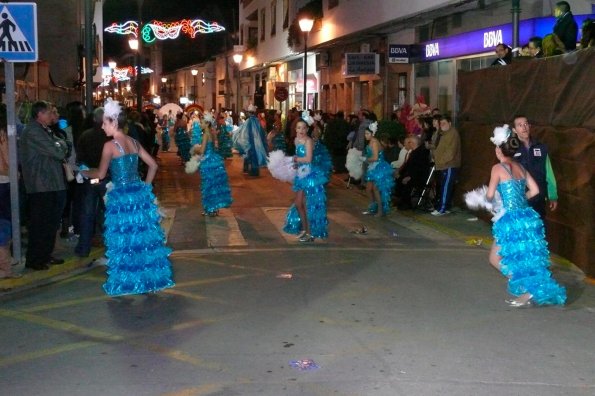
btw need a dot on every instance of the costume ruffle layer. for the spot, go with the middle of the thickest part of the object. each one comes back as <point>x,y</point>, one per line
<point>196,134</point>
<point>312,183</point>
<point>224,140</point>
<point>520,235</point>
<point>322,158</point>
<point>183,143</point>
<point>214,183</point>
<point>279,142</point>
<point>137,258</point>
<point>381,174</point>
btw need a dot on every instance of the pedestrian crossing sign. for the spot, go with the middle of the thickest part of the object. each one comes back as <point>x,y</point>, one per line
<point>18,32</point>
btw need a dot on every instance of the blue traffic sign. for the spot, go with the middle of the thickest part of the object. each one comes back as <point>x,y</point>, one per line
<point>18,32</point>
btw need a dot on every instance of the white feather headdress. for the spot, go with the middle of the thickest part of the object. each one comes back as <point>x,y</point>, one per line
<point>373,127</point>
<point>111,109</point>
<point>501,134</point>
<point>208,117</point>
<point>306,117</point>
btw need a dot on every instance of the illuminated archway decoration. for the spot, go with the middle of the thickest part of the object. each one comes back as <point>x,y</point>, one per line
<point>157,30</point>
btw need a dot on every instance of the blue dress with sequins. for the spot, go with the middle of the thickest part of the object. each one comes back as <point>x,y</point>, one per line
<point>183,142</point>
<point>196,134</point>
<point>380,173</point>
<point>137,258</point>
<point>311,179</point>
<point>214,183</point>
<point>520,235</point>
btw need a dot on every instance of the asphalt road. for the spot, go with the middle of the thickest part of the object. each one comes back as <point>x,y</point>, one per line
<point>405,309</point>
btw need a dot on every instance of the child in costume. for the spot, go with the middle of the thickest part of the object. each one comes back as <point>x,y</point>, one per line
<point>379,175</point>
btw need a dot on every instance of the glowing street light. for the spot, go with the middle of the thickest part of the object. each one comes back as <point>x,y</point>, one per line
<point>194,73</point>
<point>306,24</point>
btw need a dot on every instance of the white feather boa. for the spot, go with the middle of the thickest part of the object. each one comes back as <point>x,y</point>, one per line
<point>477,199</point>
<point>354,163</point>
<point>281,166</point>
<point>193,164</point>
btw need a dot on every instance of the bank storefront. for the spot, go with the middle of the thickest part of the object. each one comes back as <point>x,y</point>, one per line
<point>435,75</point>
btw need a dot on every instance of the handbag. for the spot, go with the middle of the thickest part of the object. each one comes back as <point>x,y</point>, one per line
<point>68,171</point>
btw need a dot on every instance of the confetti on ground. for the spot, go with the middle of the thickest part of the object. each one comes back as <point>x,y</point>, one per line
<point>361,230</point>
<point>304,364</point>
<point>475,241</point>
<point>285,275</point>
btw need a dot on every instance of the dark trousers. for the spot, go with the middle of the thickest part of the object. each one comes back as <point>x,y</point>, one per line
<point>538,204</point>
<point>45,213</point>
<point>91,212</point>
<point>447,184</point>
<point>5,208</point>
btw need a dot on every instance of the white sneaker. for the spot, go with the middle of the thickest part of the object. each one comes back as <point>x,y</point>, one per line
<point>438,213</point>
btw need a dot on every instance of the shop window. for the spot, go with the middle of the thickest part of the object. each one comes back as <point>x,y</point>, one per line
<point>252,37</point>
<point>457,20</point>
<point>422,70</point>
<point>440,26</point>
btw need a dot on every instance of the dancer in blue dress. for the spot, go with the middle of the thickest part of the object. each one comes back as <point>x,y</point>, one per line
<point>181,138</point>
<point>135,242</point>
<point>250,141</point>
<point>321,156</point>
<point>165,134</point>
<point>196,138</point>
<point>519,251</point>
<point>379,175</point>
<point>224,136</point>
<point>307,216</point>
<point>214,183</point>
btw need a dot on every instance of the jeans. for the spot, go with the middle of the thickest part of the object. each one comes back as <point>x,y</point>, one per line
<point>5,208</point>
<point>45,213</point>
<point>91,210</point>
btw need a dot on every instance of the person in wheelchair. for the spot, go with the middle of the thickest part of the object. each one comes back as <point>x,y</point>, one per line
<point>413,173</point>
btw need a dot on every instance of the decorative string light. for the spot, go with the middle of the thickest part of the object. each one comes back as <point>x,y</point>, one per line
<point>157,30</point>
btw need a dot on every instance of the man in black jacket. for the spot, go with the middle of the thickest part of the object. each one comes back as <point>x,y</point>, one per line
<point>42,154</point>
<point>565,29</point>
<point>413,173</point>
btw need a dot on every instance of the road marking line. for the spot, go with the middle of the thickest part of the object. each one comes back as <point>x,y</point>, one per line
<point>60,325</point>
<point>277,217</point>
<point>8,361</point>
<point>223,230</point>
<point>198,297</point>
<point>310,248</point>
<point>209,281</point>
<point>63,304</point>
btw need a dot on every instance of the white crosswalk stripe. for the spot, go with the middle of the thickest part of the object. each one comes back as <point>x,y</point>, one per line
<point>223,230</point>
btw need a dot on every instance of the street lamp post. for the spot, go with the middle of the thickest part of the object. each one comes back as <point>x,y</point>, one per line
<point>237,58</point>
<point>195,90</point>
<point>135,46</point>
<point>112,65</point>
<point>306,24</point>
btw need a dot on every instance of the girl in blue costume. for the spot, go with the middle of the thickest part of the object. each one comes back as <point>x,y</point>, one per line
<point>214,184</point>
<point>135,242</point>
<point>196,138</point>
<point>275,137</point>
<point>224,137</point>
<point>379,175</point>
<point>519,251</point>
<point>181,137</point>
<point>308,213</point>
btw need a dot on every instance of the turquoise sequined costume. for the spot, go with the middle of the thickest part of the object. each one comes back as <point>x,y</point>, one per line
<point>312,180</point>
<point>520,235</point>
<point>183,143</point>
<point>224,140</point>
<point>322,158</point>
<point>214,184</point>
<point>380,173</point>
<point>196,134</point>
<point>135,242</point>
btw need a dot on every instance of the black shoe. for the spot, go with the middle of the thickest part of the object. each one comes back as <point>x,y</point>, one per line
<point>56,261</point>
<point>42,267</point>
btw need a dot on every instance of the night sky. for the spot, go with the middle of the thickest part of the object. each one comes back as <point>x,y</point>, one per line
<point>183,50</point>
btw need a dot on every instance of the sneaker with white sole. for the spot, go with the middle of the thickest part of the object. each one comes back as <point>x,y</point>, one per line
<point>438,213</point>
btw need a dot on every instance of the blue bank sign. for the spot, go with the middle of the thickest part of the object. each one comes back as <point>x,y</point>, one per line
<point>398,53</point>
<point>18,32</point>
<point>484,40</point>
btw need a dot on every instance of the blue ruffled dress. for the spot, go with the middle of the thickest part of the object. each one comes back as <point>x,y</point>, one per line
<point>381,174</point>
<point>520,235</point>
<point>183,143</point>
<point>196,134</point>
<point>214,184</point>
<point>312,180</point>
<point>165,139</point>
<point>135,242</point>
<point>322,158</point>
<point>224,140</point>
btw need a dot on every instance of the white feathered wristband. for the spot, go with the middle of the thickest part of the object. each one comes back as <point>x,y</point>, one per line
<point>477,199</point>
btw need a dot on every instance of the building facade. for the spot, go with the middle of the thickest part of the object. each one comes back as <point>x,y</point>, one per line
<point>378,54</point>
